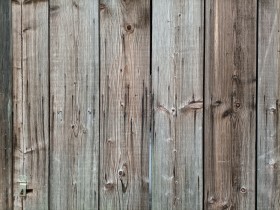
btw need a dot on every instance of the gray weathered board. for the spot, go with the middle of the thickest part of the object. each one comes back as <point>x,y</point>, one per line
<point>129,104</point>
<point>177,72</point>
<point>31,104</point>
<point>268,171</point>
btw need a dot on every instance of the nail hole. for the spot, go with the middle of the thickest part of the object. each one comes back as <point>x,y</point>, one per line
<point>121,173</point>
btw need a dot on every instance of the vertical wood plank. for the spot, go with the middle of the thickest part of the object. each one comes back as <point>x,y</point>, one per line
<point>230,104</point>
<point>268,106</point>
<point>5,106</point>
<point>125,104</point>
<point>74,89</point>
<point>31,102</point>
<point>177,48</point>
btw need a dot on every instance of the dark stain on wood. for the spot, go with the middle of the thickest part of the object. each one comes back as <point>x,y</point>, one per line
<point>6,145</point>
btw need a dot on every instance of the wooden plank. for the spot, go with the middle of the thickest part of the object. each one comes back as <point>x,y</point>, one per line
<point>31,102</point>
<point>230,104</point>
<point>268,106</point>
<point>177,70</point>
<point>6,159</point>
<point>125,104</point>
<point>74,108</point>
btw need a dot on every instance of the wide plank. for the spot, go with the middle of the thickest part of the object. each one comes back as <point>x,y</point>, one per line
<point>230,104</point>
<point>31,103</point>
<point>74,104</point>
<point>124,104</point>
<point>177,69</point>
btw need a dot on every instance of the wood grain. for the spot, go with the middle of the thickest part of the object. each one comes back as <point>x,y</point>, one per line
<point>230,104</point>
<point>31,102</point>
<point>6,160</point>
<point>124,104</point>
<point>177,48</point>
<point>74,92</point>
<point>268,106</point>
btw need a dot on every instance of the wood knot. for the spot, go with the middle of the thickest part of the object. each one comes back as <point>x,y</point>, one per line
<point>102,6</point>
<point>225,206</point>
<point>217,103</point>
<point>129,28</point>
<point>212,200</point>
<point>272,164</point>
<point>237,105</point>
<point>272,109</point>
<point>243,190</point>
<point>227,113</point>
<point>109,186</point>
<point>234,77</point>
<point>121,172</point>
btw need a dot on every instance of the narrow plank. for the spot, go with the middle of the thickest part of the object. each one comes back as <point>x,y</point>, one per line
<point>125,104</point>
<point>268,106</point>
<point>6,163</point>
<point>230,104</point>
<point>31,102</point>
<point>177,69</point>
<point>74,108</point>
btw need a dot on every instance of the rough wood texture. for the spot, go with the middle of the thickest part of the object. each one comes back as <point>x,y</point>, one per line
<point>74,81</point>
<point>5,107</point>
<point>268,106</point>
<point>125,104</point>
<point>31,102</point>
<point>230,109</point>
<point>177,48</point>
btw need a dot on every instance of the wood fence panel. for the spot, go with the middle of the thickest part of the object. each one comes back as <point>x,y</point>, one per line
<point>124,104</point>
<point>230,104</point>
<point>31,103</point>
<point>74,106</point>
<point>6,164</point>
<point>268,183</point>
<point>177,48</point>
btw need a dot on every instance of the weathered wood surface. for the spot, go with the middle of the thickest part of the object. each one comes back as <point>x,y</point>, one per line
<point>31,103</point>
<point>124,104</point>
<point>6,159</point>
<point>230,104</point>
<point>268,106</point>
<point>177,69</point>
<point>74,106</point>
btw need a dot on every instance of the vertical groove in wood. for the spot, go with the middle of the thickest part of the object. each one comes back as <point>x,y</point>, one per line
<point>177,69</point>
<point>5,107</point>
<point>31,100</point>
<point>125,104</point>
<point>74,92</point>
<point>230,104</point>
<point>268,194</point>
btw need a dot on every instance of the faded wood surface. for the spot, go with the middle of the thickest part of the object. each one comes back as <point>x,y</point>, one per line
<point>268,106</point>
<point>124,104</point>
<point>31,103</point>
<point>6,164</point>
<point>74,92</point>
<point>230,109</point>
<point>177,68</point>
